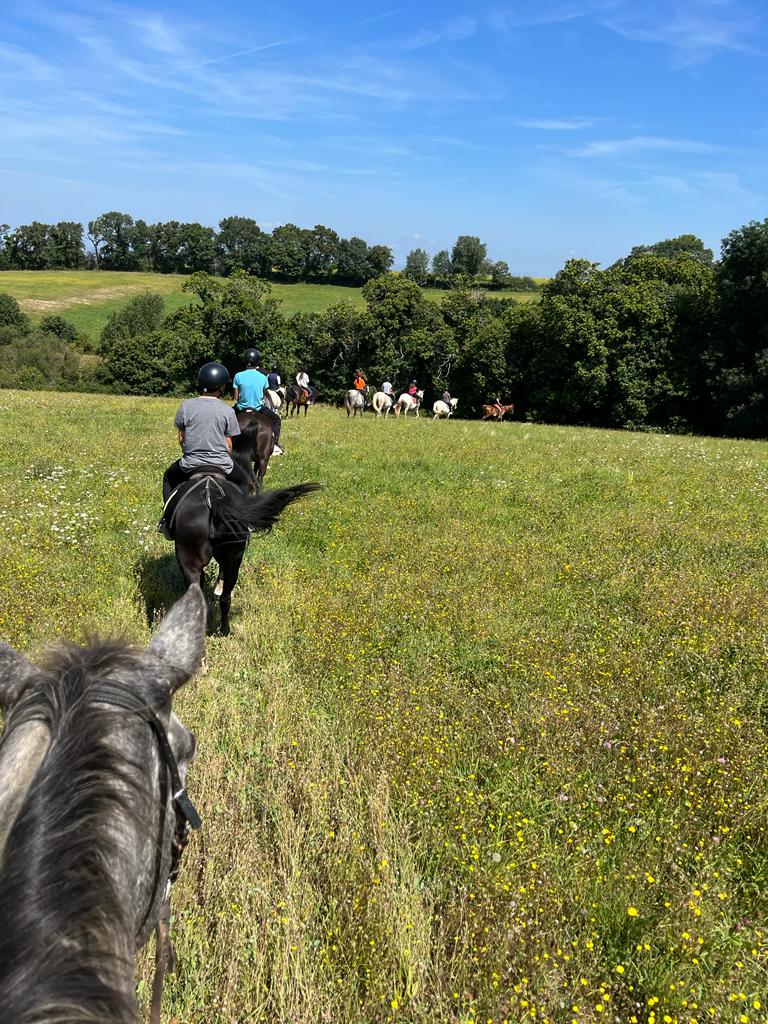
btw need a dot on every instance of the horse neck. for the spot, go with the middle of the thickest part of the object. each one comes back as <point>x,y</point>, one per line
<point>72,895</point>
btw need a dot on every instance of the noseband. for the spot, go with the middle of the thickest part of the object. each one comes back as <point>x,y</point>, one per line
<point>33,707</point>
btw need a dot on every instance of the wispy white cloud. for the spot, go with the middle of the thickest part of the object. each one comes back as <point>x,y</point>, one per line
<point>156,34</point>
<point>556,124</point>
<point>540,15</point>
<point>460,143</point>
<point>248,52</point>
<point>451,32</point>
<point>641,143</point>
<point>16,59</point>
<point>693,29</point>
<point>383,16</point>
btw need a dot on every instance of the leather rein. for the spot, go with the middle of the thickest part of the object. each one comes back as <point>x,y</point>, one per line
<point>33,707</point>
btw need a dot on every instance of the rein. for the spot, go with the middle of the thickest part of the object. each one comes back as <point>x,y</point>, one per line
<point>33,706</point>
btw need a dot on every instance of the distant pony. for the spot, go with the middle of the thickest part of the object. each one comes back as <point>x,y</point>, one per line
<point>275,397</point>
<point>407,403</point>
<point>354,402</point>
<point>442,410</point>
<point>492,412</point>
<point>382,403</point>
<point>296,399</point>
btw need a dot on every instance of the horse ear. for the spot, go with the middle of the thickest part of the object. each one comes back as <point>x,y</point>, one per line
<point>179,642</point>
<point>16,674</point>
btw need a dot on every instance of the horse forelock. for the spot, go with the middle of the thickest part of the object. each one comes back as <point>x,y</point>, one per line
<point>67,941</point>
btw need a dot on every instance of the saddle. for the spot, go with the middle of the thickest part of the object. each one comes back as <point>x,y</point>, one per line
<point>201,471</point>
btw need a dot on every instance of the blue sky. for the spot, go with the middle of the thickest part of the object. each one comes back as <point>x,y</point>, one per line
<point>551,129</point>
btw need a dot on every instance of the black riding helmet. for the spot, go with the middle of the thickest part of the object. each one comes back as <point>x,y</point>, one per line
<point>213,376</point>
<point>252,357</point>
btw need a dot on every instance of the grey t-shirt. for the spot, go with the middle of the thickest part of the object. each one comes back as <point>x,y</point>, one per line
<point>206,422</point>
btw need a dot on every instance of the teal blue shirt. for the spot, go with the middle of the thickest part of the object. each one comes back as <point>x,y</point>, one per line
<point>251,385</point>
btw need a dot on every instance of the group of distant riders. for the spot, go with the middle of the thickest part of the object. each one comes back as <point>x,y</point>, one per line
<point>206,425</point>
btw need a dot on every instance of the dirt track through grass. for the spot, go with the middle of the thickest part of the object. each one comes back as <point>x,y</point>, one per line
<point>488,739</point>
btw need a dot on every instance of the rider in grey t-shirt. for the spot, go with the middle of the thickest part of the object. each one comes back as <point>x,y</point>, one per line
<point>206,426</point>
<point>205,423</point>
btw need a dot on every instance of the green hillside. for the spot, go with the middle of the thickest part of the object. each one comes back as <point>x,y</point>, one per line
<point>86,298</point>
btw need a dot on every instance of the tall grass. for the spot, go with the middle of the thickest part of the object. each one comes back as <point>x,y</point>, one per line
<point>488,739</point>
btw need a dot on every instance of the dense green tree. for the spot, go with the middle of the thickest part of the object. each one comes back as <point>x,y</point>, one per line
<point>738,353</point>
<point>111,236</point>
<point>12,315</point>
<point>197,249</point>
<point>353,266</point>
<point>242,245</point>
<point>468,255</point>
<point>288,248</point>
<point>66,331</point>
<point>417,266</point>
<point>441,266</point>
<point>39,361</point>
<point>500,275</point>
<point>380,260</point>
<point>321,253</point>
<point>142,315</point>
<point>234,314</point>
<point>672,247</point>
<point>30,246</point>
<point>65,246</point>
<point>5,250</point>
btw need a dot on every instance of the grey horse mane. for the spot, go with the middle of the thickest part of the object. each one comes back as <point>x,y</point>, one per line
<point>65,932</point>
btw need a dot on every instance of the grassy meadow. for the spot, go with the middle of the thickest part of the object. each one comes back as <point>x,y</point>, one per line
<point>88,297</point>
<point>488,740</point>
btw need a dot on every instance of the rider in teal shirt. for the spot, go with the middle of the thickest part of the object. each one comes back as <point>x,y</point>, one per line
<point>250,385</point>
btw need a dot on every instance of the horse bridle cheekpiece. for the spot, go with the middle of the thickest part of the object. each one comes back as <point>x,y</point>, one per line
<point>32,707</point>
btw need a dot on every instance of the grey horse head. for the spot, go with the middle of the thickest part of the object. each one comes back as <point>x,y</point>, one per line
<point>87,817</point>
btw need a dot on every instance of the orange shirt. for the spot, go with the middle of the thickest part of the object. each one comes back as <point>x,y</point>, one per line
<point>360,384</point>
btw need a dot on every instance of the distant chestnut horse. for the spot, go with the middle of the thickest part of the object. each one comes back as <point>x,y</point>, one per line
<point>492,412</point>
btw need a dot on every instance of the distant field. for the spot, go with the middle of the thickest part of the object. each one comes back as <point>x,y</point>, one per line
<point>87,297</point>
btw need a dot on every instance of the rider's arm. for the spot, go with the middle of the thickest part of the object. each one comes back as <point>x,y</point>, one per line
<point>181,439</point>
<point>229,444</point>
<point>237,395</point>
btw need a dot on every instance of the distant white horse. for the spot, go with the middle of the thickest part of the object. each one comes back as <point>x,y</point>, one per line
<point>443,410</point>
<point>406,403</point>
<point>382,403</point>
<point>275,398</point>
<point>354,402</point>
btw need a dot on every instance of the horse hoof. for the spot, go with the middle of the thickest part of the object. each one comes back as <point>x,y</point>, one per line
<point>218,590</point>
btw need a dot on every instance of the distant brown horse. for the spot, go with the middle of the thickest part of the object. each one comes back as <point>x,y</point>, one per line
<point>297,398</point>
<point>492,412</point>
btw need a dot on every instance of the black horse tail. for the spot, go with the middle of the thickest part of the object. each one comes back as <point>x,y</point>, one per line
<point>235,513</point>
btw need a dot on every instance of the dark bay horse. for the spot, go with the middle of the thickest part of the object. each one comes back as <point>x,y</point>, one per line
<point>296,399</point>
<point>93,816</point>
<point>210,517</point>
<point>254,445</point>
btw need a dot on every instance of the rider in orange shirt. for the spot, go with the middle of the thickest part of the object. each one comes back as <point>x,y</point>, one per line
<point>359,383</point>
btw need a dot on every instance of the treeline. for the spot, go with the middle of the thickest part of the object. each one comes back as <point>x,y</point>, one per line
<point>665,339</point>
<point>118,242</point>
<point>288,253</point>
<point>466,264</point>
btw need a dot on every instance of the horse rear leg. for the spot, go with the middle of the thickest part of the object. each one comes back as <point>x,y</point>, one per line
<point>230,559</point>
<point>192,561</point>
